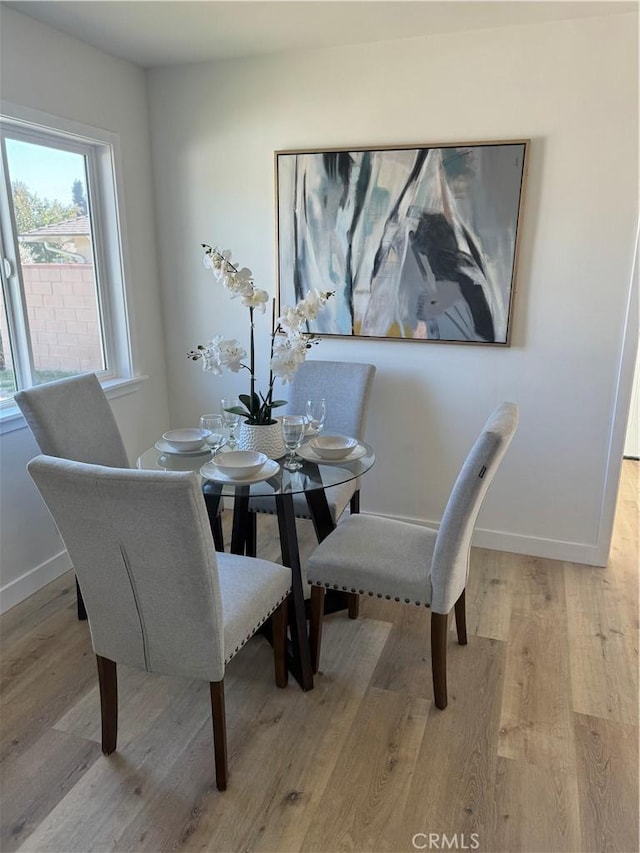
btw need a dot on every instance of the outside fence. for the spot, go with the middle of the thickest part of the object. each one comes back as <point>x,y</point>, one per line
<point>63,318</point>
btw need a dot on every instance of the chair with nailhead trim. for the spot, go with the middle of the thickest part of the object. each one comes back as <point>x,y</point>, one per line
<point>159,597</point>
<point>409,563</point>
<point>346,387</point>
<point>72,419</point>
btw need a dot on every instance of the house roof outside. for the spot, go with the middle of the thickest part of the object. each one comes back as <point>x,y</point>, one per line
<point>78,226</point>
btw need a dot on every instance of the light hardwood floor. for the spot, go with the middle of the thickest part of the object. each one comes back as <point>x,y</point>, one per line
<point>537,751</point>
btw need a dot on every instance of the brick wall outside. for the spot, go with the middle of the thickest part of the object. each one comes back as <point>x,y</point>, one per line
<point>63,317</point>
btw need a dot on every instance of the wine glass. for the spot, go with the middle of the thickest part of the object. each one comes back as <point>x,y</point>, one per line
<point>231,420</point>
<point>316,414</point>
<point>293,433</point>
<point>215,425</point>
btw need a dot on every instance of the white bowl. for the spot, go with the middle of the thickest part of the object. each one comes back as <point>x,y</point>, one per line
<point>186,439</point>
<point>239,464</point>
<point>333,446</point>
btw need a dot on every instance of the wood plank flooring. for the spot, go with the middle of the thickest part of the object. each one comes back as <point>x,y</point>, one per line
<point>537,750</point>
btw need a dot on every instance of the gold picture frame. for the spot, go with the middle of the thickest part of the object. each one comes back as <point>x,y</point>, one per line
<point>416,242</point>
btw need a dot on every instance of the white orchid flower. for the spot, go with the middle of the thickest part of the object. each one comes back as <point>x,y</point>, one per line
<point>240,288</point>
<point>284,364</point>
<point>299,346</point>
<point>244,274</point>
<point>239,280</point>
<point>291,319</point>
<point>288,355</point>
<point>216,261</point>
<point>311,304</point>
<point>257,299</point>
<point>210,356</point>
<point>219,353</point>
<point>231,355</point>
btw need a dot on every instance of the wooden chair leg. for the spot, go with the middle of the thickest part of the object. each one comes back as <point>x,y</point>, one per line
<point>216,529</point>
<point>353,605</point>
<point>279,634</point>
<point>461,619</point>
<point>82,613</point>
<point>439,625</point>
<point>108,682</point>
<point>315,625</point>
<point>219,733</point>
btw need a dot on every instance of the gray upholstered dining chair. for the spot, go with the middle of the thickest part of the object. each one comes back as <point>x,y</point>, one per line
<point>159,597</point>
<point>412,564</point>
<point>72,419</point>
<point>346,387</point>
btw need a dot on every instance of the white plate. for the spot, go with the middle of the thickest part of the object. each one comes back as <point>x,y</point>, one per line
<point>308,453</point>
<point>164,447</point>
<point>211,472</point>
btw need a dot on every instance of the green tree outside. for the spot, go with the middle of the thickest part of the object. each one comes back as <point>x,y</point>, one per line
<point>79,198</point>
<point>32,212</point>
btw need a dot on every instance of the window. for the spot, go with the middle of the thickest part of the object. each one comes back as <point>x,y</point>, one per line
<point>62,305</point>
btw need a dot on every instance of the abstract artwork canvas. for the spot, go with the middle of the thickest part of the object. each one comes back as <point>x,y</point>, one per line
<point>416,243</point>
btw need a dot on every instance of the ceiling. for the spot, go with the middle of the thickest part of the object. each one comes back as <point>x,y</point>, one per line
<point>169,32</point>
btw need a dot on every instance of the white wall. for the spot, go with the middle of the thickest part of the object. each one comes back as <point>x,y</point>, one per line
<point>572,88</point>
<point>632,439</point>
<point>46,70</point>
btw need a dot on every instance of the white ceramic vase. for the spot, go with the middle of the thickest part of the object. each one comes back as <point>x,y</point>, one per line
<point>265,438</point>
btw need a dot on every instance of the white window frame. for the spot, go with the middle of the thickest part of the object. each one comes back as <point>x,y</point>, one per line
<point>102,151</point>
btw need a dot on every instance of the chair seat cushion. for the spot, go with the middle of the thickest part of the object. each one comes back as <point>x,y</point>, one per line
<point>376,556</point>
<point>337,497</point>
<point>250,591</point>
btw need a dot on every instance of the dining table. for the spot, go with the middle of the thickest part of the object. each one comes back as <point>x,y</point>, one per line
<point>274,481</point>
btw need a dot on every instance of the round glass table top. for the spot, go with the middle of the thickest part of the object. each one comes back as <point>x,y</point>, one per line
<point>310,476</point>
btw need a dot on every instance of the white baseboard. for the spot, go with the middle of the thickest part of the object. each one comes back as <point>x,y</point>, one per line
<point>531,546</point>
<point>551,549</point>
<point>33,580</point>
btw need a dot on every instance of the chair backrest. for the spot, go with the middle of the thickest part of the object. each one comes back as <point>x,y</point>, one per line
<point>142,548</point>
<point>450,564</point>
<point>346,386</point>
<point>72,419</point>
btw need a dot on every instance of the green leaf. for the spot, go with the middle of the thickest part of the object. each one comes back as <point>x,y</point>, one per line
<point>238,410</point>
<point>245,399</point>
<point>277,403</point>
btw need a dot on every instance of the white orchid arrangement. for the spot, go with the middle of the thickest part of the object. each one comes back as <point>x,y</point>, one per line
<point>289,341</point>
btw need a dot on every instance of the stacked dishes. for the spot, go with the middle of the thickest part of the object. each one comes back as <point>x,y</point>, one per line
<point>184,442</point>
<point>334,449</point>
<point>239,466</point>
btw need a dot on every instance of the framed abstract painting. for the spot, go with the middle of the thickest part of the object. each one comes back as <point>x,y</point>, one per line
<point>417,243</point>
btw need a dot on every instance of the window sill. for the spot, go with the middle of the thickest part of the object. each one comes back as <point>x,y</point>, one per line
<point>11,418</point>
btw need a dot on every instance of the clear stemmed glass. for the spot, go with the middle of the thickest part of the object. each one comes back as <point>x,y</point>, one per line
<point>293,433</point>
<point>215,425</point>
<point>316,414</point>
<point>231,420</point>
